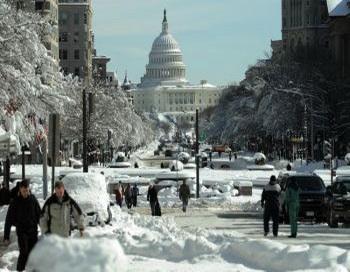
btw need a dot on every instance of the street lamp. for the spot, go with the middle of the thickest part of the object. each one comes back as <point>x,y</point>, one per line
<point>197,154</point>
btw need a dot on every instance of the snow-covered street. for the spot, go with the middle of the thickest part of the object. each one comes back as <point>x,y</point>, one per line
<point>221,229</point>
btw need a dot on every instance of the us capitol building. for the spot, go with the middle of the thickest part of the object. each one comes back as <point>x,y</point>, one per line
<point>165,89</point>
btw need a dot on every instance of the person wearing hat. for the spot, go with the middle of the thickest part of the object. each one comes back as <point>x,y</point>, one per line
<point>270,203</point>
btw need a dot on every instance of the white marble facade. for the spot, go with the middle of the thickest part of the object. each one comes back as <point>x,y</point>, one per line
<point>164,87</point>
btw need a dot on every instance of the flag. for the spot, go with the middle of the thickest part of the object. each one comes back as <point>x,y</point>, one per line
<point>39,136</point>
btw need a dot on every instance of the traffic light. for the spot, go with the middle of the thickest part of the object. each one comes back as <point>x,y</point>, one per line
<point>327,148</point>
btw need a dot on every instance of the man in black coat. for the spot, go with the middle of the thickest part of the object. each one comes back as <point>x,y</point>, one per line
<point>152,197</point>
<point>24,213</point>
<point>270,203</point>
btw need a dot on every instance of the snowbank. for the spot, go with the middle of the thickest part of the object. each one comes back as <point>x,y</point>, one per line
<point>57,254</point>
<point>176,165</point>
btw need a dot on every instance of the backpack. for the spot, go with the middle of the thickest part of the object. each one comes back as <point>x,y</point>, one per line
<point>135,191</point>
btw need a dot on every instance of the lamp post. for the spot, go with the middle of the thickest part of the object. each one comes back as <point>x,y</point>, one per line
<point>197,155</point>
<point>85,162</point>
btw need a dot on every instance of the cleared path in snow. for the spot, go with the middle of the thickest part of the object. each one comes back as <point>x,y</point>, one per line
<point>250,224</point>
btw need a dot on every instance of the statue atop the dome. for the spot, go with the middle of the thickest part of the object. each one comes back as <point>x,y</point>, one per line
<point>164,20</point>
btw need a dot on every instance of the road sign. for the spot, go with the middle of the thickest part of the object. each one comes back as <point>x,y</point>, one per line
<point>7,147</point>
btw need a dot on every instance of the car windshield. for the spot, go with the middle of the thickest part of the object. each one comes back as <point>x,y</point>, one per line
<point>345,183</point>
<point>309,183</point>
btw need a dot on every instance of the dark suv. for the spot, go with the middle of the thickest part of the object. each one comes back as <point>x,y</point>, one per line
<point>338,202</point>
<point>311,197</point>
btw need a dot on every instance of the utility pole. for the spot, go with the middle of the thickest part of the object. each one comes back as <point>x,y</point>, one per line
<point>23,163</point>
<point>197,155</point>
<point>85,163</point>
<point>45,190</point>
<point>53,152</point>
<point>312,131</point>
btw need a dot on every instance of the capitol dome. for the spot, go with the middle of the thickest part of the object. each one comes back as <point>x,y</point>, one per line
<point>165,66</point>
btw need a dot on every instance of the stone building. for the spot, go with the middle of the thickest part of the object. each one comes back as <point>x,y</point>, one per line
<point>49,10</point>
<point>76,37</point>
<point>164,87</point>
<point>339,24</point>
<point>305,33</point>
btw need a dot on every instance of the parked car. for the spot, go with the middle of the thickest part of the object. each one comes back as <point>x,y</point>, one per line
<point>89,190</point>
<point>311,197</point>
<point>337,202</point>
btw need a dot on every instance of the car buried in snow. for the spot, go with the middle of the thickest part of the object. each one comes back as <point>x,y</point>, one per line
<point>89,190</point>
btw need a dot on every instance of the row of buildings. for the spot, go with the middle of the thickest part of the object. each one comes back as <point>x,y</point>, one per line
<point>70,40</point>
<point>316,29</point>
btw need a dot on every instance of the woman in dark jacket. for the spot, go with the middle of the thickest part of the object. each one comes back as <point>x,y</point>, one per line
<point>152,197</point>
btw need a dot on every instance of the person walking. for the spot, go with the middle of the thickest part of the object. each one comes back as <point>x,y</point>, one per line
<point>24,213</point>
<point>184,195</point>
<point>135,193</point>
<point>270,203</point>
<point>14,191</point>
<point>152,197</point>
<point>292,202</point>
<point>58,211</point>
<point>4,195</point>
<point>128,196</point>
<point>118,191</point>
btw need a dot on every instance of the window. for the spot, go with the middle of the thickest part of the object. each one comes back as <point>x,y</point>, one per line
<point>76,71</point>
<point>76,54</point>
<point>76,37</point>
<point>38,5</point>
<point>85,19</point>
<point>76,18</point>
<point>63,18</point>
<point>20,5</point>
<point>63,54</point>
<point>63,37</point>
<point>65,70</point>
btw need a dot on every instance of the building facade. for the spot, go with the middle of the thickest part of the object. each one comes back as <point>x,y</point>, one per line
<point>164,87</point>
<point>304,27</point>
<point>76,37</point>
<point>49,10</point>
<point>339,25</point>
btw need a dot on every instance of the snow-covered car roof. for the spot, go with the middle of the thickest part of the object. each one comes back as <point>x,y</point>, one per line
<point>89,190</point>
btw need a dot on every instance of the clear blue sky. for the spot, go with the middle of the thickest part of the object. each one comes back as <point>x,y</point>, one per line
<point>219,38</point>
